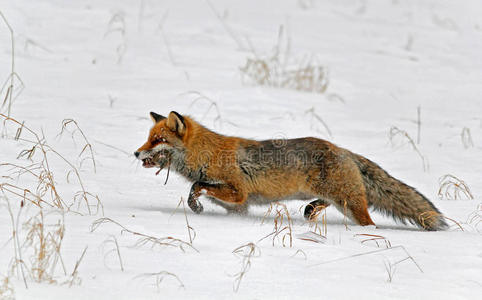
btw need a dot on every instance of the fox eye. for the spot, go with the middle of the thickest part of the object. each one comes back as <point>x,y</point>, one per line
<point>158,140</point>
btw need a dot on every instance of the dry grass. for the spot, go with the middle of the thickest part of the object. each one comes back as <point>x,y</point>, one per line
<point>159,277</point>
<point>280,70</point>
<point>388,265</point>
<point>10,90</point>
<point>212,106</point>
<point>44,239</point>
<point>283,224</point>
<point>145,239</point>
<point>117,23</point>
<point>190,231</point>
<point>475,218</point>
<point>299,251</point>
<point>37,244</point>
<point>226,26</point>
<point>6,289</point>
<point>112,242</point>
<point>453,188</point>
<point>314,220</point>
<point>395,133</point>
<point>245,253</point>
<point>46,192</point>
<point>430,215</point>
<point>466,138</point>
<point>87,147</point>
<point>316,120</point>
<point>374,239</point>
<point>74,279</point>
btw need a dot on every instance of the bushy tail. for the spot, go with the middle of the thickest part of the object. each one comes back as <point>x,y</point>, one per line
<point>395,198</point>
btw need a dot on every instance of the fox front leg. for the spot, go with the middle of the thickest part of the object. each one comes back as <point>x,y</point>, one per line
<point>193,201</point>
<point>223,192</point>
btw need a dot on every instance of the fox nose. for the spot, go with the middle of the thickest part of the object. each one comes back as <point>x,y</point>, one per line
<point>136,153</point>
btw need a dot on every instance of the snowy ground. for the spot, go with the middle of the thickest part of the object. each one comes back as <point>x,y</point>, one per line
<point>385,59</point>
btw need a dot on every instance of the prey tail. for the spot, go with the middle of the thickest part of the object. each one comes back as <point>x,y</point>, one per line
<point>395,198</point>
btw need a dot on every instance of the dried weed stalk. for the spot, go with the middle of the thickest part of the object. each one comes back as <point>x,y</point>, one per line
<point>374,238</point>
<point>37,244</point>
<point>145,239</point>
<point>6,289</point>
<point>281,71</point>
<point>430,215</point>
<point>190,231</point>
<point>212,105</point>
<point>305,257</point>
<point>44,240</point>
<point>40,169</point>
<point>117,23</point>
<point>314,220</point>
<point>466,137</point>
<point>10,90</point>
<point>245,253</point>
<point>74,279</point>
<point>226,26</point>
<point>388,265</point>
<point>453,188</point>
<point>283,224</point>
<point>87,145</point>
<point>316,119</point>
<point>112,241</point>
<point>159,277</point>
<point>396,132</point>
<point>475,217</point>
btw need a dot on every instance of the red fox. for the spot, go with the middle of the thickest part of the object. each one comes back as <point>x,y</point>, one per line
<point>235,173</point>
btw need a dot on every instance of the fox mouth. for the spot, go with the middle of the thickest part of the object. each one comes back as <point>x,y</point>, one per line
<point>148,163</point>
<point>159,159</point>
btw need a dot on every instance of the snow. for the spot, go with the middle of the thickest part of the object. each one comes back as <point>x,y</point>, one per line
<point>385,59</point>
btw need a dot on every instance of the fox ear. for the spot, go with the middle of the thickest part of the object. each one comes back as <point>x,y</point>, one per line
<point>176,123</point>
<point>156,117</point>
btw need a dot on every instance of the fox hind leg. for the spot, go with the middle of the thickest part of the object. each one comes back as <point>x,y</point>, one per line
<point>312,209</point>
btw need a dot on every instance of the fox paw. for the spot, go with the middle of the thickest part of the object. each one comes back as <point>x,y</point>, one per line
<point>195,206</point>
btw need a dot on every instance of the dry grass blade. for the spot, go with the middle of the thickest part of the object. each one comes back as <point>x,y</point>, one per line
<point>159,277</point>
<point>408,257</point>
<point>453,188</point>
<point>281,71</point>
<point>226,27</point>
<point>396,132</point>
<point>475,217</point>
<point>18,263</point>
<point>74,276</point>
<point>6,289</point>
<point>190,231</point>
<point>246,253</point>
<point>430,215</point>
<point>9,83</point>
<point>300,252</point>
<point>466,137</point>
<point>145,239</point>
<point>116,249</point>
<point>374,238</point>
<point>87,145</point>
<point>45,240</point>
<point>218,119</point>
<point>117,23</point>
<point>283,224</point>
<point>315,117</point>
<point>41,169</point>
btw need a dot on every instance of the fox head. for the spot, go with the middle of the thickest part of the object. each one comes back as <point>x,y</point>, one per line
<point>165,137</point>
